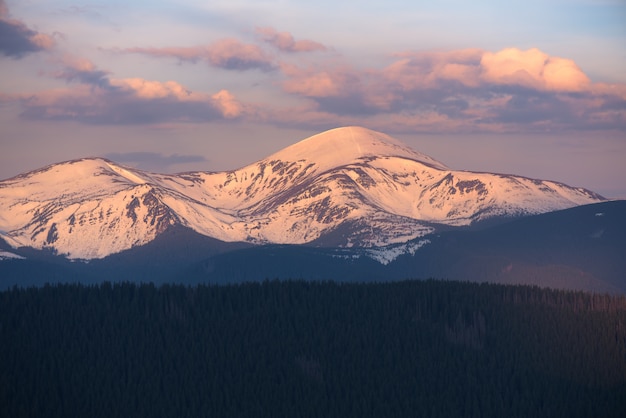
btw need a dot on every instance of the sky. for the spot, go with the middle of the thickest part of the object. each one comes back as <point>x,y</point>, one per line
<point>534,88</point>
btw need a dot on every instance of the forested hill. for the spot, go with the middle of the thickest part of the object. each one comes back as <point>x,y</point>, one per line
<point>414,348</point>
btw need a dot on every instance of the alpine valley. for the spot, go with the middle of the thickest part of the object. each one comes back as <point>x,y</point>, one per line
<point>346,204</point>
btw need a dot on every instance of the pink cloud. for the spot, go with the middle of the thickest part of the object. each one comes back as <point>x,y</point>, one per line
<point>228,104</point>
<point>469,90</point>
<point>285,42</point>
<point>427,69</point>
<point>17,39</point>
<point>533,69</point>
<point>147,89</point>
<point>226,53</point>
<point>101,99</point>
<point>79,70</point>
<point>77,63</point>
<point>230,53</point>
<point>193,54</point>
<point>318,83</point>
<point>473,67</point>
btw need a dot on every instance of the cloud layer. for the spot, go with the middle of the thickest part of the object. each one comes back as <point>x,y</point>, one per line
<point>467,90</point>
<point>464,91</point>
<point>95,97</point>
<point>446,91</point>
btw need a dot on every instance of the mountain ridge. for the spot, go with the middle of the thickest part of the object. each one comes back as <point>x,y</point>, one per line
<point>363,182</point>
<point>580,248</point>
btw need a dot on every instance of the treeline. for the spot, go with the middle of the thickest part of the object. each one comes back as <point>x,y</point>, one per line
<point>311,349</point>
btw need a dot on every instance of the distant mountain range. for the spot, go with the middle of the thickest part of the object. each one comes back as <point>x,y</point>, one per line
<point>345,187</point>
<point>346,204</point>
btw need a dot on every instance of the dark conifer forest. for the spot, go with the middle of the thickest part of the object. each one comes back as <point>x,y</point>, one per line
<point>311,349</point>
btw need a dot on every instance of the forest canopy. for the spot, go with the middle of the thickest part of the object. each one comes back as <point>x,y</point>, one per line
<point>295,348</point>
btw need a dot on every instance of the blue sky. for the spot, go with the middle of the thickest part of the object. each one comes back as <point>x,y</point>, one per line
<point>536,88</point>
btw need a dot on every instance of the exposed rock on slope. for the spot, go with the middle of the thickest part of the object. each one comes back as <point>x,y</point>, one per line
<point>367,185</point>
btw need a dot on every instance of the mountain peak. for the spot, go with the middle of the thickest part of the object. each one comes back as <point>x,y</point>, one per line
<point>88,170</point>
<point>348,144</point>
<point>348,186</point>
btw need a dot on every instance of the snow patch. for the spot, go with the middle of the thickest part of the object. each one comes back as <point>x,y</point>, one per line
<point>598,233</point>
<point>347,256</point>
<point>127,174</point>
<point>5,255</point>
<point>386,255</point>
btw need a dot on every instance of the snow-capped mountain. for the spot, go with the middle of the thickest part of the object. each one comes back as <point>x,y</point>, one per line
<point>360,187</point>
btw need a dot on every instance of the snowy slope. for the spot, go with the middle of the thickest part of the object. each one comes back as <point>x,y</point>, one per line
<point>363,185</point>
